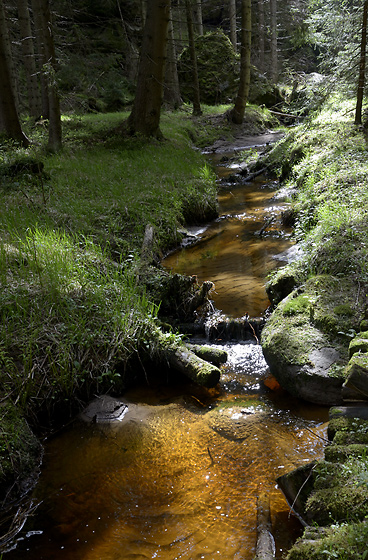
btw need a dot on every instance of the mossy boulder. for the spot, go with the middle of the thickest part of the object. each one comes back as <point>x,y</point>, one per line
<point>359,344</point>
<point>340,486</point>
<point>356,372</point>
<point>281,285</point>
<point>345,431</point>
<point>218,69</point>
<point>305,340</point>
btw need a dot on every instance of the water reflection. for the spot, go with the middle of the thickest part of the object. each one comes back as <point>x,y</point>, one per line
<point>233,254</point>
<point>179,480</point>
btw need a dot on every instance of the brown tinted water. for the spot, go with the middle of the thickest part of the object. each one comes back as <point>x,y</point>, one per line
<point>232,253</point>
<point>178,481</point>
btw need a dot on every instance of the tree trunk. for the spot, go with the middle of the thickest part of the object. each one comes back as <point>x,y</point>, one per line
<point>42,8</point>
<point>237,113</point>
<point>34,98</point>
<point>9,120</point>
<point>274,58</point>
<point>145,116</point>
<point>193,56</point>
<point>265,549</point>
<point>41,58</point>
<point>172,96</point>
<point>361,80</point>
<point>261,24</point>
<point>9,55</point>
<point>199,19</point>
<point>232,18</point>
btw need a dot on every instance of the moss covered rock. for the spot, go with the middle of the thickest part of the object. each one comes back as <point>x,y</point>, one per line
<point>305,341</point>
<point>218,69</point>
<point>359,344</point>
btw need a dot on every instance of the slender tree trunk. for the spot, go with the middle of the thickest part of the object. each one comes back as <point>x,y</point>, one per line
<point>42,8</point>
<point>145,116</point>
<point>171,88</point>
<point>9,120</point>
<point>237,113</point>
<point>232,18</point>
<point>261,20</point>
<point>199,19</point>
<point>274,58</point>
<point>133,56</point>
<point>34,97</point>
<point>193,56</point>
<point>41,58</point>
<point>143,12</point>
<point>361,80</point>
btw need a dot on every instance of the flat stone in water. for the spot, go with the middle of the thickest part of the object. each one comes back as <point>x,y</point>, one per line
<point>105,409</point>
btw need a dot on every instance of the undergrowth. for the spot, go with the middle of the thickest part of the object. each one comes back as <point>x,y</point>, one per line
<point>72,225</point>
<point>328,180</point>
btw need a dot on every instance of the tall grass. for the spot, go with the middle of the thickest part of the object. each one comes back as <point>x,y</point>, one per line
<point>70,317</point>
<point>73,313</point>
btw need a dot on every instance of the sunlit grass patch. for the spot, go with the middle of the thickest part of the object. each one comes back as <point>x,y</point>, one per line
<point>69,317</point>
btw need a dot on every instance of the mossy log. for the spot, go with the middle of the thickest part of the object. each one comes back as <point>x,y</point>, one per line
<point>186,362</point>
<point>215,356</point>
<point>181,359</point>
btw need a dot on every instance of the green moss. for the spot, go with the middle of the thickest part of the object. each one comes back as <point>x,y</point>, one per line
<point>339,453</point>
<point>299,304</point>
<point>341,542</point>
<point>359,344</point>
<point>343,309</point>
<point>327,323</point>
<point>344,431</point>
<point>359,360</point>
<point>337,504</point>
<point>217,69</point>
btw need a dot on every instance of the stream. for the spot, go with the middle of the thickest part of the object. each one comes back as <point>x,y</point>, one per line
<point>179,478</point>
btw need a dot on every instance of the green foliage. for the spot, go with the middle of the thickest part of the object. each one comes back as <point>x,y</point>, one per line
<point>341,542</point>
<point>335,32</point>
<point>69,316</point>
<point>330,197</point>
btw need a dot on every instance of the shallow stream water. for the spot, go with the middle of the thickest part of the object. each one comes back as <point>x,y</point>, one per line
<point>180,479</point>
<point>241,247</point>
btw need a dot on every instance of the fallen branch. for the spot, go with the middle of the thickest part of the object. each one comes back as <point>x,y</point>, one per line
<point>284,114</point>
<point>252,176</point>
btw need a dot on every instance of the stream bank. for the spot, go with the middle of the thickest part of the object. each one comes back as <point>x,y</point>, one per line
<point>315,339</point>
